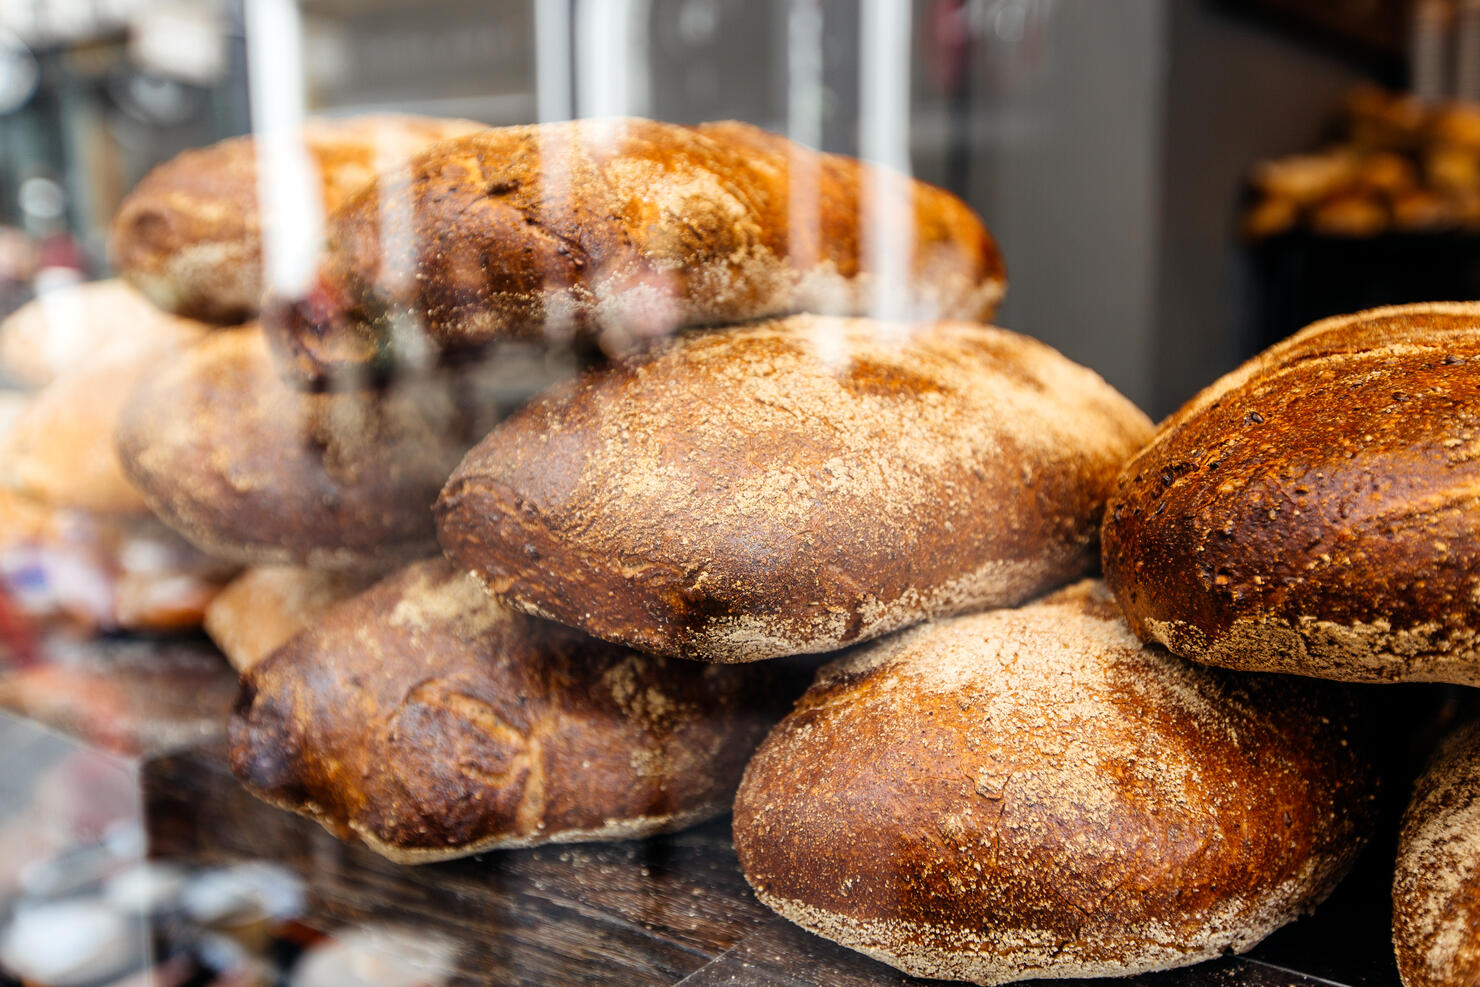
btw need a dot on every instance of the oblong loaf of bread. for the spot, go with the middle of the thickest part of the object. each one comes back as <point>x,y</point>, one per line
<point>1436,889</point>
<point>190,234</point>
<point>1314,511</point>
<point>253,470</point>
<point>629,228</point>
<point>794,486</point>
<point>1032,793</point>
<point>429,722</point>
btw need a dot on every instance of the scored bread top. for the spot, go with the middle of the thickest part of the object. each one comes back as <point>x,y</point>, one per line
<point>1436,888</point>
<point>793,486</point>
<point>190,234</point>
<point>628,228</point>
<point>1313,511</point>
<point>1033,793</point>
<point>431,722</point>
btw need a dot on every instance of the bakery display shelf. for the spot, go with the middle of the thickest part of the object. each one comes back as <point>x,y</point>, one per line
<point>670,910</point>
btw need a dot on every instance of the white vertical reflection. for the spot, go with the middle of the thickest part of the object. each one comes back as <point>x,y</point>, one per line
<point>805,101</point>
<point>611,50</point>
<point>883,136</point>
<point>552,41</point>
<point>288,185</point>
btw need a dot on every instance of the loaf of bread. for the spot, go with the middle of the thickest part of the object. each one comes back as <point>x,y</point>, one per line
<point>793,486</point>
<point>59,449</point>
<point>429,722</point>
<point>266,605</point>
<point>190,234</point>
<point>1436,891</point>
<point>1314,510</point>
<point>67,327</point>
<point>253,470</point>
<point>1032,793</point>
<point>628,229</point>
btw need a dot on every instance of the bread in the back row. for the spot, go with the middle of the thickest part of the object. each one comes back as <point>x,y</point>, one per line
<point>67,327</point>
<point>629,229</point>
<point>1032,793</point>
<point>1436,889</point>
<point>1314,510</point>
<point>428,721</point>
<point>190,234</point>
<point>793,486</point>
<point>266,605</point>
<point>59,450</point>
<point>252,470</point>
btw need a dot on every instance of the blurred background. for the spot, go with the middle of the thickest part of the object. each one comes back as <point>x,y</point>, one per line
<point>1123,153</point>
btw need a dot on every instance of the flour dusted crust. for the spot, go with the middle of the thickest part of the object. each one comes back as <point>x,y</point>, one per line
<point>1032,793</point>
<point>628,229</point>
<point>1314,511</point>
<point>189,236</point>
<point>266,605</point>
<point>1436,890</point>
<point>793,486</point>
<point>250,469</point>
<point>427,721</point>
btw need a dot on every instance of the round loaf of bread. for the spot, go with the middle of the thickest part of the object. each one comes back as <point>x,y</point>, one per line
<point>1436,891</point>
<point>629,229</point>
<point>253,470</point>
<point>1314,511</point>
<point>190,234</point>
<point>793,486</point>
<point>65,328</point>
<point>429,722</point>
<point>60,450</point>
<point>1032,793</point>
<point>263,607</point>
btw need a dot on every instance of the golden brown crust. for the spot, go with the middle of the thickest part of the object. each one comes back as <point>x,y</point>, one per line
<point>60,451</point>
<point>66,327</point>
<point>1436,889</point>
<point>1032,793</point>
<point>793,486</point>
<point>268,604</point>
<point>189,235</point>
<point>429,722</point>
<point>253,470</point>
<point>626,228</point>
<point>1313,511</point>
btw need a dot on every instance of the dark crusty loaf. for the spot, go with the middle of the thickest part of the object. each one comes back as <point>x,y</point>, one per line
<point>628,228</point>
<point>190,234</point>
<point>794,486</point>
<point>430,722</point>
<point>262,608</point>
<point>1314,511</point>
<point>1032,793</point>
<point>253,470</point>
<point>1436,891</point>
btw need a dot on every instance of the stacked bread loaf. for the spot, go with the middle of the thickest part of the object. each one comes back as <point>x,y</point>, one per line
<point>747,468</point>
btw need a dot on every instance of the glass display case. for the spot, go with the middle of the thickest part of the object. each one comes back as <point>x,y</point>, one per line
<point>441,442</point>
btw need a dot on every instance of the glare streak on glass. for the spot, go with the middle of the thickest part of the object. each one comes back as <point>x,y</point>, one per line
<point>552,60</point>
<point>612,57</point>
<point>288,185</point>
<point>555,102</point>
<point>804,117</point>
<point>883,136</point>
